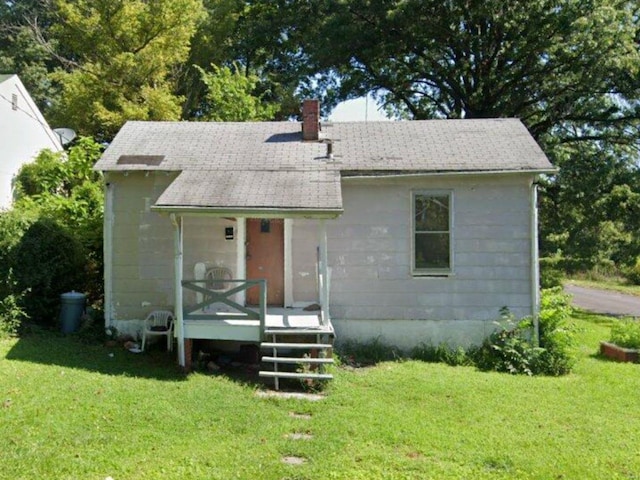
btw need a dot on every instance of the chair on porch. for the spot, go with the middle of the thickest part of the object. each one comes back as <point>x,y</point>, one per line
<point>158,323</point>
<point>217,279</point>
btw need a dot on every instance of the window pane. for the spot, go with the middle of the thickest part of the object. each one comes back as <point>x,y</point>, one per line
<point>432,213</point>
<point>432,250</point>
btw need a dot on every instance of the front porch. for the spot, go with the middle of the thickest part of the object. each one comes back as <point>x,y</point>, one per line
<point>218,316</point>
<point>259,301</point>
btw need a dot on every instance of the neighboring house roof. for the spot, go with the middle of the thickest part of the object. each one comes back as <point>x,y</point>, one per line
<point>266,164</point>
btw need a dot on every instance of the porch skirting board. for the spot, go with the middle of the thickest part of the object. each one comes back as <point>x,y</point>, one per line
<point>407,334</point>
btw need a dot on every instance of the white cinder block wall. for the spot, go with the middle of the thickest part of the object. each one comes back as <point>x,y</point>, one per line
<point>373,291</point>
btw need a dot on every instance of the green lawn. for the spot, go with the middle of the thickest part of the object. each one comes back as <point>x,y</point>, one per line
<point>69,410</point>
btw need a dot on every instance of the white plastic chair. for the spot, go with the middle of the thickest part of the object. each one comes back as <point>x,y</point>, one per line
<point>218,279</point>
<point>158,323</point>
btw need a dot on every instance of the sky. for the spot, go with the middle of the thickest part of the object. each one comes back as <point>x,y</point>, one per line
<point>358,110</point>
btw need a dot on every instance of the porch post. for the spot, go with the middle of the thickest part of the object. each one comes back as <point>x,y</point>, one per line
<point>108,255</point>
<point>241,256</point>
<point>535,269</point>
<point>288,262</point>
<point>324,273</point>
<point>179,326</point>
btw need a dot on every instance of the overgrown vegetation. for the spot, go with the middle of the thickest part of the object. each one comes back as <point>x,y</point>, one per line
<point>11,308</point>
<point>626,333</point>
<point>510,348</point>
<point>51,240</point>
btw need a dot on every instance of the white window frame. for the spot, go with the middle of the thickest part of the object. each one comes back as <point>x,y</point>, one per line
<point>432,272</point>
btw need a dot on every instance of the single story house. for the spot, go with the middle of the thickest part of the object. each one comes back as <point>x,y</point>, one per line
<point>410,231</point>
<point>23,133</point>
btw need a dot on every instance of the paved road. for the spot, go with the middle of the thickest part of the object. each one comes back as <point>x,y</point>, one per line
<point>604,301</point>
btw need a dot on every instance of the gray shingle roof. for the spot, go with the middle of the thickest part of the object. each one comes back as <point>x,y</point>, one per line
<point>254,190</point>
<point>267,164</point>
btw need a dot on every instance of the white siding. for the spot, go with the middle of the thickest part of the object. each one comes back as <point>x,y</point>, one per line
<point>23,133</point>
<point>304,277</point>
<point>204,241</point>
<point>142,269</point>
<point>372,289</point>
<point>143,250</point>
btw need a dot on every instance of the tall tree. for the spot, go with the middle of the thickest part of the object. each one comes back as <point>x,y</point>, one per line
<point>570,69</point>
<point>23,24</point>
<point>256,38</point>
<point>544,61</point>
<point>121,58</point>
<point>229,96</point>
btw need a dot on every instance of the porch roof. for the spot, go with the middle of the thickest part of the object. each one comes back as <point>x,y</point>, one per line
<point>250,192</point>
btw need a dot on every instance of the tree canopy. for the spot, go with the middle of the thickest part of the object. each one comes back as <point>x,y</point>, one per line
<point>570,69</point>
<point>120,61</point>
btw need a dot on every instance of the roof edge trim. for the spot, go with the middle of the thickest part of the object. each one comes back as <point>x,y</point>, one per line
<point>251,212</point>
<point>369,174</point>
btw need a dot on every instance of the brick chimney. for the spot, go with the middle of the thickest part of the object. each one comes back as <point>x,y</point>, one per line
<point>311,120</point>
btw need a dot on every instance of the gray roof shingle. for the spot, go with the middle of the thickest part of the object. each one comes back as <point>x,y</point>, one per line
<point>254,190</point>
<point>267,164</point>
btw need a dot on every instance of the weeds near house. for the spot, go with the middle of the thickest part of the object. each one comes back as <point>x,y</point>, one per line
<point>509,349</point>
<point>11,315</point>
<point>358,354</point>
<point>11,312</point>
<point>442,353</point>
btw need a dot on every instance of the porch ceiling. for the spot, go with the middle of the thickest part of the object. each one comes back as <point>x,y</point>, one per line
<point>312,192</point>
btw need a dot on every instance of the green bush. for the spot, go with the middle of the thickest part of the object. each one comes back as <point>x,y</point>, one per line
<point>633,273</point>
<point>510,348</point>
<point>626,333</point>
<point>47,262</point>
<point>551,272</point>
<point>556,334</point>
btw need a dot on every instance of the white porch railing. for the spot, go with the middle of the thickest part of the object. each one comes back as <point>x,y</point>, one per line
<point>199,311</point>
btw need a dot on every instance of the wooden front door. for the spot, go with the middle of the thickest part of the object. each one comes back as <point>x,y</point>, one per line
<point>265,258</point>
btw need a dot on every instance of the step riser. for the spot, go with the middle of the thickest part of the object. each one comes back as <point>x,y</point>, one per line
<point>294,360</point>
<point>298,331</point>
<point>311,376</point>
<point>301,346</point>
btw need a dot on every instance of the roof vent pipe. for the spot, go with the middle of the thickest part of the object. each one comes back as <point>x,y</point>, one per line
<point>311,120</point>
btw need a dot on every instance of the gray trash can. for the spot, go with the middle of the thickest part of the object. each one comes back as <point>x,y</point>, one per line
<point>71,309</point>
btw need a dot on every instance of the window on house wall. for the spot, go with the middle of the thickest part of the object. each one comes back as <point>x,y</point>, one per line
<point>432,219</point>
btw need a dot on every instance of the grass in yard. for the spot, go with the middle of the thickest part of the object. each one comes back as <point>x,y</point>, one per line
<point>69,410</point>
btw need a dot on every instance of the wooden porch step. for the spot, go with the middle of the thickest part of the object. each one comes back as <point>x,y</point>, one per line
<point>317,376</point>
<point>297,360</point>
<point>301,346</point>
<point>298,331</point>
